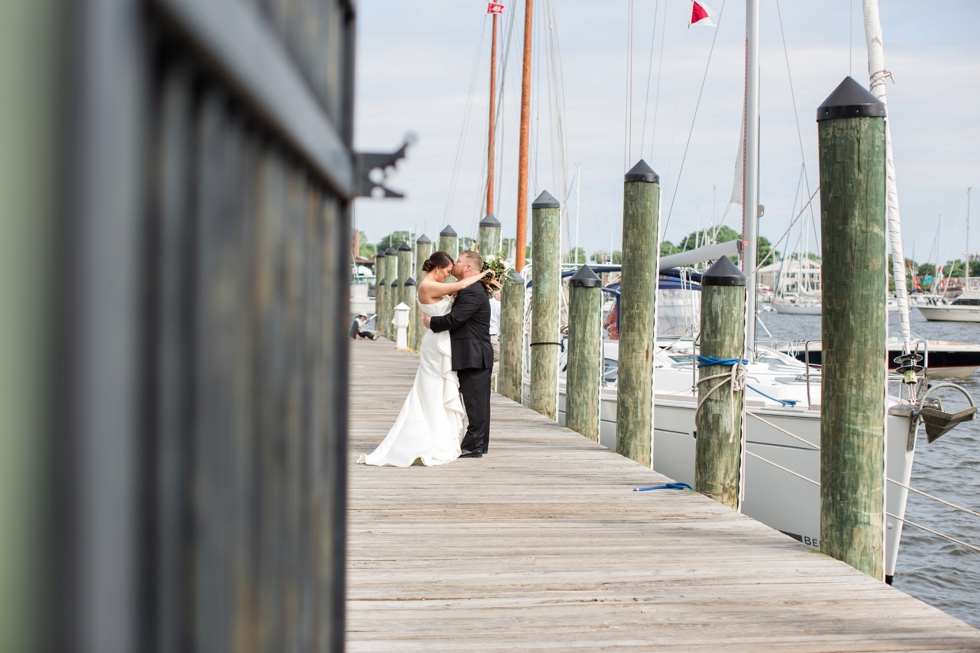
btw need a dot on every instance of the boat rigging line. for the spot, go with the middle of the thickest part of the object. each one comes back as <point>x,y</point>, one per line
<point>877,75</point>
<point>500,122</point>
<point>707,66</point>
<point>929,530</point>
<point>646,102</point>
<point>628,150</point>
<point>796,115</point>
<point>466,121</point>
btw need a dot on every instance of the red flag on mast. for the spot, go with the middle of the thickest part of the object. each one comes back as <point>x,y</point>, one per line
<point>495,8</point>
<point>701,13</point>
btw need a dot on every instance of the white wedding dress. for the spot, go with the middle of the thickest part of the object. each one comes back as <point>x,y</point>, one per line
<point>432,421</point>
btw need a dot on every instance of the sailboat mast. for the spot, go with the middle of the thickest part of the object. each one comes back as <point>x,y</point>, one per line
<point>750,191</point>
<point>878,74</point>
<point>966,280</point>
<point>578,206</point>
<point>522,154</point>
<point>493,109</point>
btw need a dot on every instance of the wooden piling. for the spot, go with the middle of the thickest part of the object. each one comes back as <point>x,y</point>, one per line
<point>408,294</point>
<point>423,250</point>
<point>394,298</point>
<point>719,418</point>
<point>852,205</point>
<point>545,289</point>
<point>637,314</point>
<point>583,378</point>
<point>404,274</point>
<point>404,270</point>
<point>511,370</point>
<point>380,270</point>
<point>391,291</point>
<point>449,243</point>
<point>489,236</point>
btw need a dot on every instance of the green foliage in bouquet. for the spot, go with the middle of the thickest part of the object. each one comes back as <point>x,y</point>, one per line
<point>498,272</point>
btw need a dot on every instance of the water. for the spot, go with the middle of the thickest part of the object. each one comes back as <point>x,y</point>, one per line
<point>936,571</point>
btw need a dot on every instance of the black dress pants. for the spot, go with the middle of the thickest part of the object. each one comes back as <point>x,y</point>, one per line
<point>474,385</point>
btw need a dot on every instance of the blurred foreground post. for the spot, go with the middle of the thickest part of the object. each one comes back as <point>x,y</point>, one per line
<point>176,180</point>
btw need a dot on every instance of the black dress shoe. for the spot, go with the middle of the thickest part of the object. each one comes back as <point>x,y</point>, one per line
<point>470,454</point>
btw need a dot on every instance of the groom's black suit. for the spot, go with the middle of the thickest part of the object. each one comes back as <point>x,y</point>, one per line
<point>469,330</point>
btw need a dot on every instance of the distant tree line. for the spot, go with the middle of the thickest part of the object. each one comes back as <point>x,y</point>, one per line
<point>578,255</point>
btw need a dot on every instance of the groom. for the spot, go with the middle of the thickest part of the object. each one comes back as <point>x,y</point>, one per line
<point>469,330</point>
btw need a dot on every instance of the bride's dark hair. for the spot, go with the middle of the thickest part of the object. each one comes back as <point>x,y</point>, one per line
<point>437,260</point>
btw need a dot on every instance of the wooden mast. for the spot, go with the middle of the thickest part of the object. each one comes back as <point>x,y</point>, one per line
<point>521,241</point>
<point>493,98</point>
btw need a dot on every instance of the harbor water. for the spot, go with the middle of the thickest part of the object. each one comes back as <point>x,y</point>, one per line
<point>936,571</point>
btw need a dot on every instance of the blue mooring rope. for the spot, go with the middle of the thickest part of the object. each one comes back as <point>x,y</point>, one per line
<point>704,361</point>
<point>708,360</point>
<point>785,402</point>
<point>668,486</point>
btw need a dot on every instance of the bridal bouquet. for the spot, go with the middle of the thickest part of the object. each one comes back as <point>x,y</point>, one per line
<point>498,272</point>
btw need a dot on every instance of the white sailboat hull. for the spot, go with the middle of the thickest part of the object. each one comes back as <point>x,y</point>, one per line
<point>796,309</point>
<point>950,313</point>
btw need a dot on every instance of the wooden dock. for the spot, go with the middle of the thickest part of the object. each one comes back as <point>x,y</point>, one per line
<point>542,545</point>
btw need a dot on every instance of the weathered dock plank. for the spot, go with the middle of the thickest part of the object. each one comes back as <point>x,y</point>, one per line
<point>542,545</point>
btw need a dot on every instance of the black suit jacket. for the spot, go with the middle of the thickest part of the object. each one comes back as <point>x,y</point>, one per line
<point>469,328</point>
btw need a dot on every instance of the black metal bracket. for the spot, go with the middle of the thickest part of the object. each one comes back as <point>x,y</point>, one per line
<point>369,181</point>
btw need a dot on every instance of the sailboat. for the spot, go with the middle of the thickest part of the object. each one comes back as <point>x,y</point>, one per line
<point>783,397</point>
<point>966,307</point>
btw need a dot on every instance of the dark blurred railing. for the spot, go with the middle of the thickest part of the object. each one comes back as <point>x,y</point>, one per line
<point>182,311</point>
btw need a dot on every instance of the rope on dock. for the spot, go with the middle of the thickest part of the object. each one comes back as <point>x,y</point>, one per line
<point>934,498</point>
<point>929,530</point>
<point>665,486</point>
<point>735,378</point>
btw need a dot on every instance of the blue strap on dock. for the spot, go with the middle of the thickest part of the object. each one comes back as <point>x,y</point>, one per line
<point>666,486</point>
<point>704,361</point>
<point>785,402</point>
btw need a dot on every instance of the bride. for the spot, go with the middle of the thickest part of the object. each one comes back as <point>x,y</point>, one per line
<point>432,421</point>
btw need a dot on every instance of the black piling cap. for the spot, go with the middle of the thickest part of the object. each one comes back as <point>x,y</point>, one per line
<point>585,278</point>
<point>383,282</point>
<point>380,254</point>
<point>404,247</point>
<point>850,100</point>
<point>423,240</point>
<point>390,252</point>
<point>490,221</point>
<point>394,284</point>
<point>642,172</point>
<point>515,277</point>
<point>448,231</point>
<point>723,273</point>
<point>545,201</point>
<point>409,281</point>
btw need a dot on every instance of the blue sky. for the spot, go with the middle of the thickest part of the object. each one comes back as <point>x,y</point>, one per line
<point>416,64</point>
